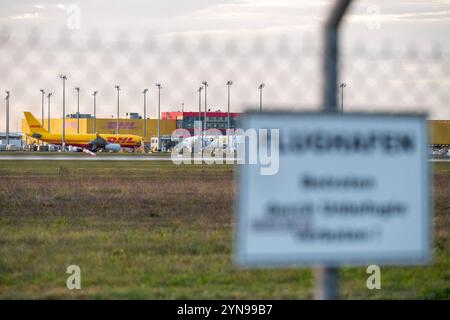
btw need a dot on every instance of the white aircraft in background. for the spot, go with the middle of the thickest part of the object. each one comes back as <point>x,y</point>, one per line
<point>227,143</point>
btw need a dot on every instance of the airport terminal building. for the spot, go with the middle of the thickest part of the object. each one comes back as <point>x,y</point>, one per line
<point>12,141</point>
<point>214,120</point>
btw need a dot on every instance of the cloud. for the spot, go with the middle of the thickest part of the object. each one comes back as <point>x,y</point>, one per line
<point>25,16</point>
<point>429,16</point>
<point>440,16</point>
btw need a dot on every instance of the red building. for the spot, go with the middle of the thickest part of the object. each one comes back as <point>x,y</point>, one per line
<point>216,120</point>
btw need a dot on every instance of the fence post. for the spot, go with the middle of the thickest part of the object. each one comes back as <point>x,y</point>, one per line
<point>326,278</point>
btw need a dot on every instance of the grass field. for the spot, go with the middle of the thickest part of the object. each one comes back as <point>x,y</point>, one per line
<point>150,230</point>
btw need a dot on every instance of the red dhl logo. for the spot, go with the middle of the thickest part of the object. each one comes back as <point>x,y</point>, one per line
<point>120,139</point>
<point>35,126</point>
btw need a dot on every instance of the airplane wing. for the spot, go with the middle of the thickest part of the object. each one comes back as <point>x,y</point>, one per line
<point>101,143</point>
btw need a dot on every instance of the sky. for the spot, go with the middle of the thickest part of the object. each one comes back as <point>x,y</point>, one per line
<point>137,43</point>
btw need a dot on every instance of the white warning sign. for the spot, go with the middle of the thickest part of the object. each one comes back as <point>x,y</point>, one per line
<point>350,189</point>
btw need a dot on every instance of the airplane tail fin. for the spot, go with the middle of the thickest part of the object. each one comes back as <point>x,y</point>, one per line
<point>33,123</point>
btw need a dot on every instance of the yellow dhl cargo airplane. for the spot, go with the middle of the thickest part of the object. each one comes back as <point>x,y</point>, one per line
<point>89,141</point>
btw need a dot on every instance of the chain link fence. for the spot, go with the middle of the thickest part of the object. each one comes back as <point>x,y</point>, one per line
<point>390,78</point>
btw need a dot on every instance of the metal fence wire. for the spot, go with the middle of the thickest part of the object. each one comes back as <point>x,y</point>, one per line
<point>391,77</point>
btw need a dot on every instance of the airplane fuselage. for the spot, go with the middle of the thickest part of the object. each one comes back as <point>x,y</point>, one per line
<point>83,140</point>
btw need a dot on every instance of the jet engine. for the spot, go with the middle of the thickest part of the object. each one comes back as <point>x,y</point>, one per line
<point>115,147</point>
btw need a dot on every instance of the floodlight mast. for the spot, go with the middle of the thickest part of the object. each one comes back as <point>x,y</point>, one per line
<point>261,86</point>
<point>42,106</point>
<point>94,94</point>
<point>145,111</point>
<point>205,86</point>
<point>200,103</point>
<point>48,111</point>
<point>342,86</point>
<point>7,116</point>
<point>229,84</point>
<point>63,136</point>
<point>118,107</point>
<point>78,108</point>
<point>159,117</point>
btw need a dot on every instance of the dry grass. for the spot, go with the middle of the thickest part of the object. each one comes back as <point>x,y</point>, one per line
<point>155,230</point>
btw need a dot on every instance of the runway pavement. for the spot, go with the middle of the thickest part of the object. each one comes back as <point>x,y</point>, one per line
<point>439,160</point>
<point>31,157</point>
<point>82,158</point>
